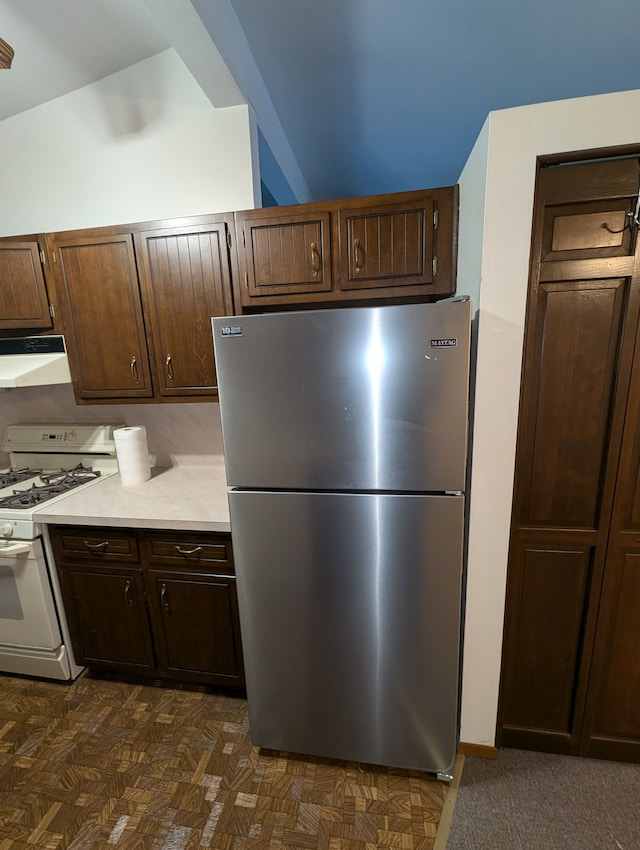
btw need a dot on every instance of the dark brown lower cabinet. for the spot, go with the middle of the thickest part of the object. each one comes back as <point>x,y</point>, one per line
<point>160,604</point>
<point>180,603</point>
<point>107,608</point>
<point>571,654</point>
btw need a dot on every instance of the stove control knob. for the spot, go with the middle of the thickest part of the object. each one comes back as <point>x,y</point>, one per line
<point>6,529</point>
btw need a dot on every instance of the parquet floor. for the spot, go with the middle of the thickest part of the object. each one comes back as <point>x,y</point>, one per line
<point>109,764</point>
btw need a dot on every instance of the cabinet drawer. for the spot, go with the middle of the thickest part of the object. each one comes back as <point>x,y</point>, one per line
<point>209,551</point>
<point>96,544</point>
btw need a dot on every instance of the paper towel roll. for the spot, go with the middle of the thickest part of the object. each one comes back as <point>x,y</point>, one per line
<point>133,455</point>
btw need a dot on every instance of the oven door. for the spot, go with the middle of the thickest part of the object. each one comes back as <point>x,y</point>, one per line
<point>28,619</point>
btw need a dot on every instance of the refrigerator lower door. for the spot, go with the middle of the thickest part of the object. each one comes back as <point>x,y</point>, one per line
<point>350,617</point>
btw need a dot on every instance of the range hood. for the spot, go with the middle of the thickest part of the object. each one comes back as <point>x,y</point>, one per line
<point>33,361</point>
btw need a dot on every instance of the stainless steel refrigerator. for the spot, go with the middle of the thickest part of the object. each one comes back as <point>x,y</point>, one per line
<point>345,439</point>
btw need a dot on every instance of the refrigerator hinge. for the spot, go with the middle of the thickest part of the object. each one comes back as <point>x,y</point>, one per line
<point>435,219</point>
<point>453,492</point>
<point>434,265</point>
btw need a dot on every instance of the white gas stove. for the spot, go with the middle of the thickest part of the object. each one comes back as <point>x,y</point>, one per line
<point>47,463</point>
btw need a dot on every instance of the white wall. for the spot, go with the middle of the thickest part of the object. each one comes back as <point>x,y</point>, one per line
<point>141,144</point>
<point>499,178</point>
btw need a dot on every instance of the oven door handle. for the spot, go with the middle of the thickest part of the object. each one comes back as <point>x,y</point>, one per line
<point>14,549</point>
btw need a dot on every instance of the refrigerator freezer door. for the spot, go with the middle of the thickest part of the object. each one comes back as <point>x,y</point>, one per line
<point>357,399</point>
<point>350,617</point>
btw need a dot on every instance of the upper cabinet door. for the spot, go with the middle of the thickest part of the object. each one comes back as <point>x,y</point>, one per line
<point>99,288</point>
<point>387,245</point>
<point>284,255</point>
<point>23,295</point>
<point>401,246</point>
<point>184,272</point>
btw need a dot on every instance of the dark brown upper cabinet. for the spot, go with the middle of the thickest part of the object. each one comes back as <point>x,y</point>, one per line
<point>24,302</point>
<point>399,247</point>
<point>137,302</point>
<point>185,277</point>
<point>99,294</point>
<point>286,254</point>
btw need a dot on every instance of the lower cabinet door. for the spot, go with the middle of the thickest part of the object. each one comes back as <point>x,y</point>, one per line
<point>196,627</point>
<point>108,618</point>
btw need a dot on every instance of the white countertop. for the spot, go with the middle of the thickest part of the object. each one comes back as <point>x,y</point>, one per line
<point>193,498</point>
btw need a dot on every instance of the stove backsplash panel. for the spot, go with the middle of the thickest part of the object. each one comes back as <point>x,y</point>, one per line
<point>178,434</point>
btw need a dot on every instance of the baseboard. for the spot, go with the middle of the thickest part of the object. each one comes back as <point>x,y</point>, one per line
<point>481,751</point>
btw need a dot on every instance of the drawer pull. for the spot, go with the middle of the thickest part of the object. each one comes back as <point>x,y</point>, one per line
<point>163,597</point>
<point>127,596</point>
<point>96,547</point>
<point>182,551</point>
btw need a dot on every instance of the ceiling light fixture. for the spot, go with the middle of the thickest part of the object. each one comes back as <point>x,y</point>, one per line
<point>6,54</point>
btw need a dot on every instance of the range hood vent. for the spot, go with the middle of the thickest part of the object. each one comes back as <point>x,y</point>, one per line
<point>33,361</point>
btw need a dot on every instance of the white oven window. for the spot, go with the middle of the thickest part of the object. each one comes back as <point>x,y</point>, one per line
<point>27,610</point>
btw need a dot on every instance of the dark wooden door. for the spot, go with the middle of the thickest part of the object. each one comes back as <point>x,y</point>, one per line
<point>579,346</point>
<point>284,255</point>
<point>612,723</point>
<point>23,294</point>
<point>387,245</point>
<point>185,276</point>
<point>196,626</point>
<point>98,281</point>
<point>108,617</point>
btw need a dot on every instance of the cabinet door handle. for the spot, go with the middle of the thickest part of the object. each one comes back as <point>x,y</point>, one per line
<point>134,369</point>
<point>182,551</point>
<point>96,547</point>
<point>315,259</point>
<point>163,597</point>
<point>169,366</point>
<point>127,596</point>
<point>358,256</point>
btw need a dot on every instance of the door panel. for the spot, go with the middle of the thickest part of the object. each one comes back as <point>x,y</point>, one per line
<point>584,231</point>
<point>114,633</point>
<point>23,295</point>
<point>612,726</point>
<point>27,611</point>
<point>387,246</point>
<point>617,714</point>
<point>570,673</point>
<point>99,282</point>
<point>350,618</point>
<point>546,639</point>
<point>579,329</point>
<point>285,254</point>
<point>185,274</point>
<point>195,625</point>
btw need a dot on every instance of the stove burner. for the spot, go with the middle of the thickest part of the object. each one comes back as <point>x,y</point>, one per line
<point>54,484</point>
<point>15,476</point>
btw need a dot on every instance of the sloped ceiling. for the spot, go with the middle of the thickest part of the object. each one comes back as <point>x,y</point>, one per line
<point>370,96</point>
